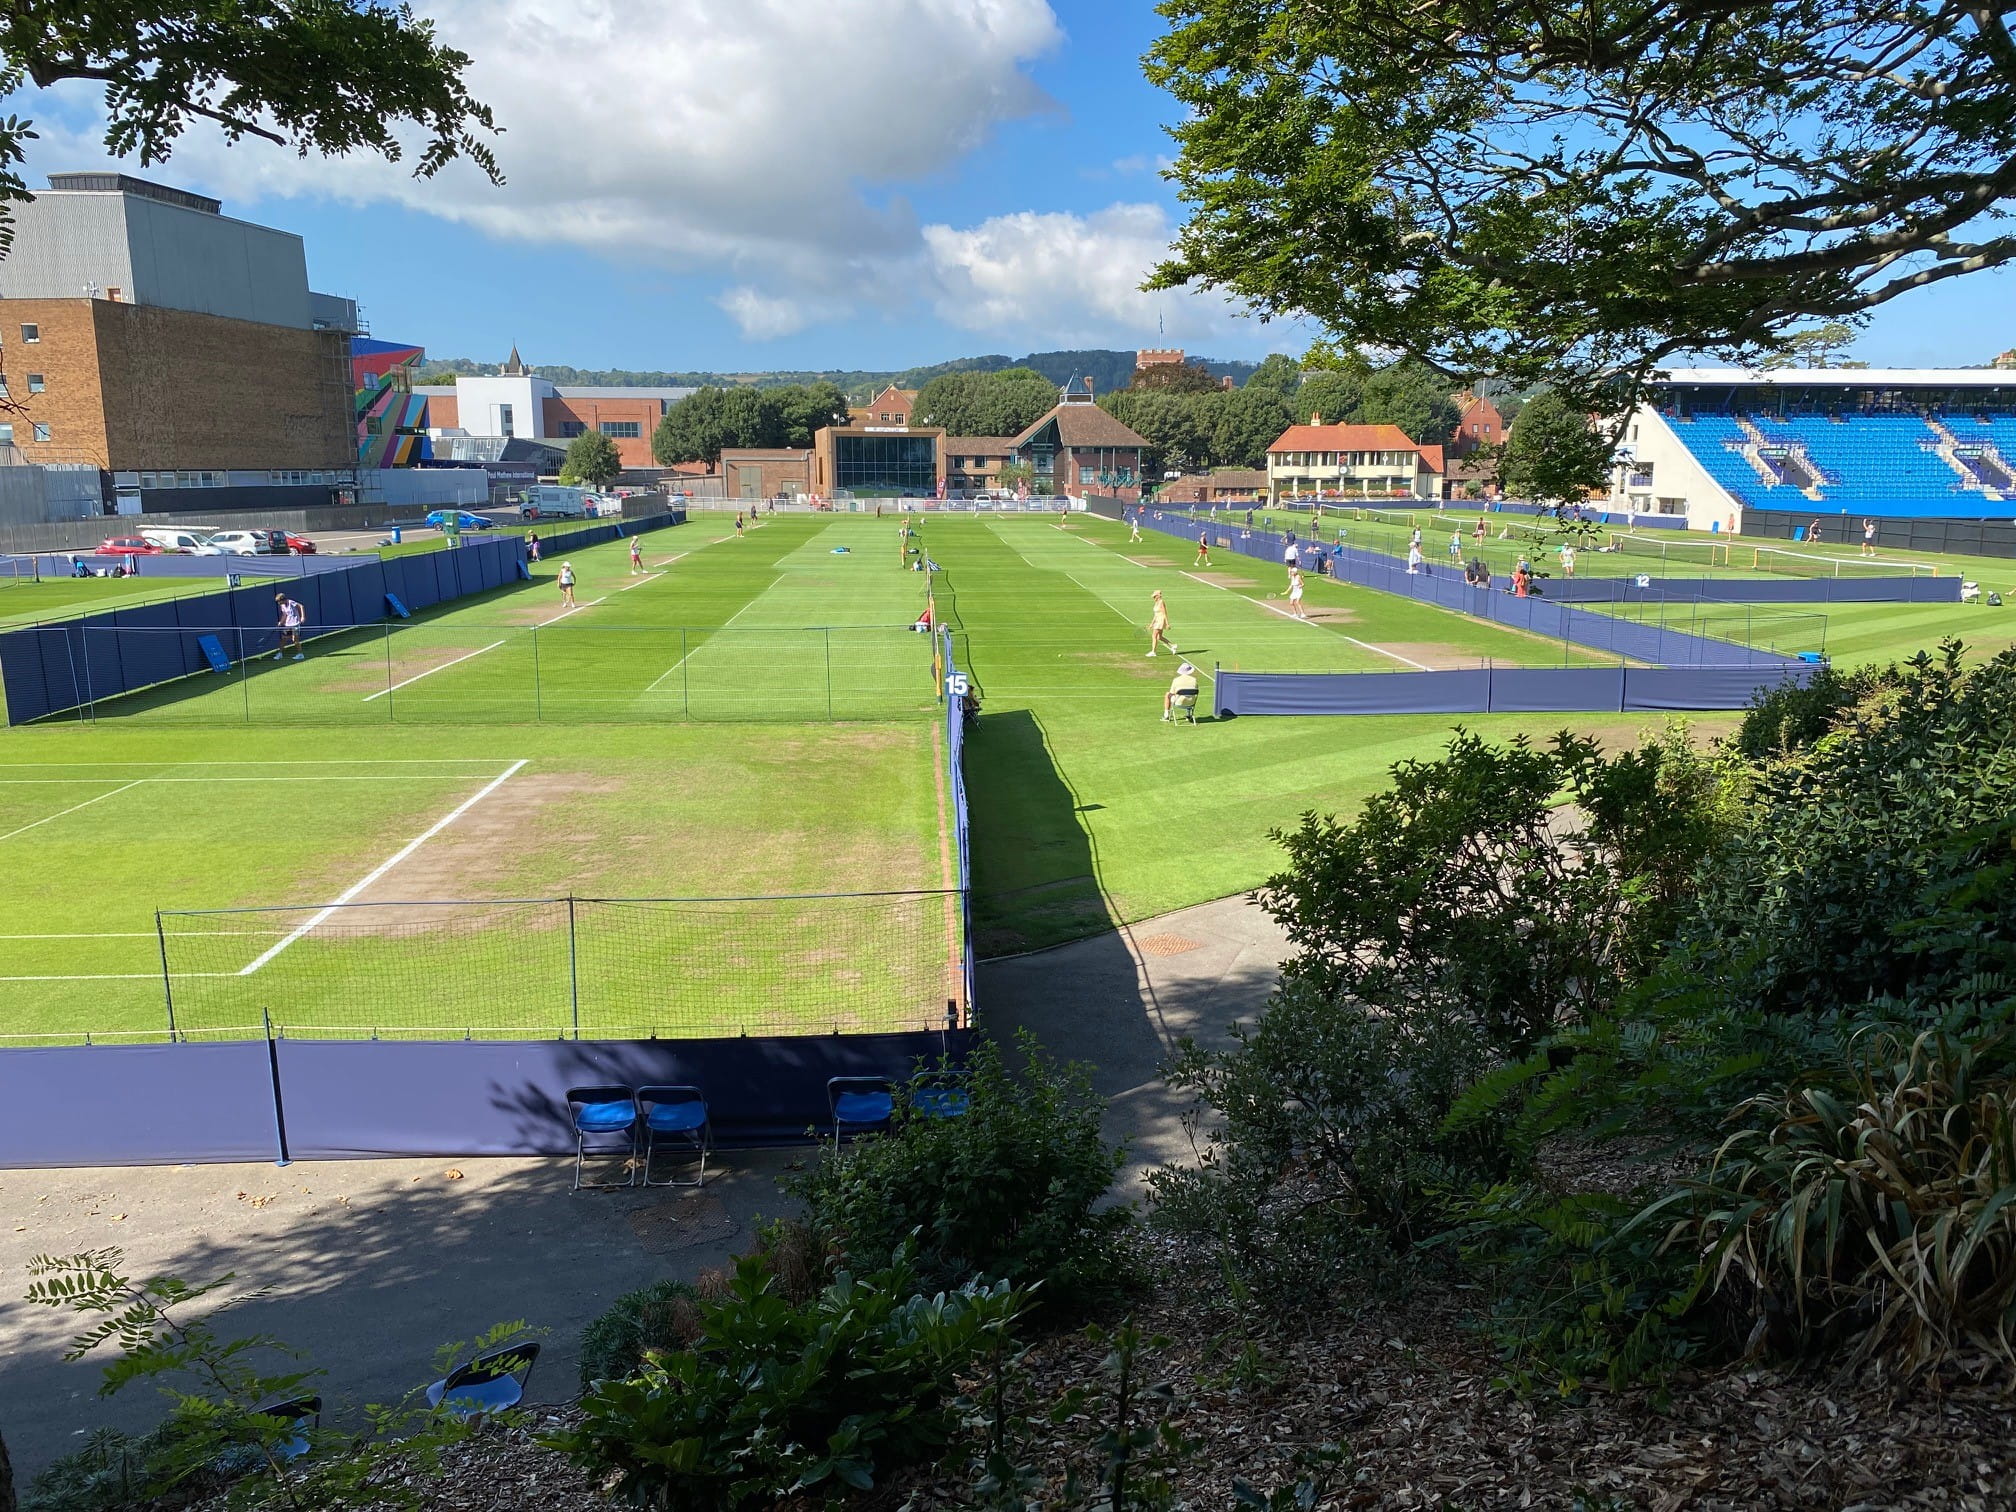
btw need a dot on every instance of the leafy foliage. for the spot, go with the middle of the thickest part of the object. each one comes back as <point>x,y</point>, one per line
<point>1188,377</point>
<point>317,77</point>
<point>1883,1210</point>
<point>700,426</point>
<point>659,1316</point>
<point>219,1433</point>
<point>592,459</point>
<point>1550,192</point>
<point>1554,455</point>
<point>1011,1190</point>
<point>774,1399</point>
<point>986,404</point>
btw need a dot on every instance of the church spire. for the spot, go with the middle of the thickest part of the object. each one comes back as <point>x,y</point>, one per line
<point>514,366</point>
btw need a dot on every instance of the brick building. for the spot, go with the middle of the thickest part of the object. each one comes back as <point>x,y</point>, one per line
<point>1352,462</point>
<point>757,473</point>
<point>519,404</point>
<point>893,406</point>
<point>175,349</point>
<point>973,463</point>
<point>1078,448</point>
<point>1480,425</point>
<point>1220,485</point>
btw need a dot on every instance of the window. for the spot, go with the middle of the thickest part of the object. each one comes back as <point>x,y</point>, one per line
<point>31,333</point>
<point>504,427</point>
<point>623,430</point>
<point>36,383</point>
<point>6,435</point>
<point>41,431</point>
<point>3,388</point>
<point>569,429</point>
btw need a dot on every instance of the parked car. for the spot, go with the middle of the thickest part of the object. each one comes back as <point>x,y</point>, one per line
<point>293,542</point>
<point>462,519</point>
<point>246,542</point>
<point>127,546</point>
<point>181,543</point>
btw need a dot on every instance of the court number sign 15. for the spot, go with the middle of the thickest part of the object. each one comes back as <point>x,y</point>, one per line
<point>957,685</point>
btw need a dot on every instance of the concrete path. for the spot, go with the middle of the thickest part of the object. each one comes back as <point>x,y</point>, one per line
<point>371,1266</point>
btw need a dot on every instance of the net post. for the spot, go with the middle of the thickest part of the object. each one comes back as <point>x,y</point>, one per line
<point>538,689</point>
<point>685,690</point>
<point>573,968</point>
<point>245,676</point>
<point>387,637</point>
<point>279,1107</point>
<point>827,634</point>
<point>167,982</point>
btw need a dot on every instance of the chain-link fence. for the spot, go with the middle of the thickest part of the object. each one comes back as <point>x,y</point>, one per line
<point>608,968</point>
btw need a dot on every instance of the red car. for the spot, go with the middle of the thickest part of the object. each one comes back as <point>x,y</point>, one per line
<point>298,543</point>
<point>127,546</point>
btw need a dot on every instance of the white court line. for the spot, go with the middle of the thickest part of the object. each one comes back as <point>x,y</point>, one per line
<point>290,761</point>
<point>670,559</point>
<point>575,610</point>
<point>1272,609</point>
<point>200,781</point>
<point>73,809</point>
<point>640,582</point>
<point>723,626</point>
<point>432,670</point>
<point>385,866</point>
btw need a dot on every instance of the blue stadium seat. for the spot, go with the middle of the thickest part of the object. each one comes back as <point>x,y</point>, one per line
<point>859,1105</point>
<point>607,1116</point>
<point>678,1116</point>
<point>489,1383</point>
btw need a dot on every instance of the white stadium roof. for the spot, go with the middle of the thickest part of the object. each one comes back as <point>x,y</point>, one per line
<point>1847,377</point>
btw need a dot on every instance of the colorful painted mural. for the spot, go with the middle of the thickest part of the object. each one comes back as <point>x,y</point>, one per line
<point>391,418</point>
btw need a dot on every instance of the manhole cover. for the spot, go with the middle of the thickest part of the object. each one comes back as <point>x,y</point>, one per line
<point>682,1222</point>
<point>1166,945</point>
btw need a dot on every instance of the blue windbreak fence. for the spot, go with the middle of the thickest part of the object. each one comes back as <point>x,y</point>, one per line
<point>1501,690</point>
<point>71,664</point>
<point>955,690</point>
<point>1653,644</point>
<point>263,1099</point>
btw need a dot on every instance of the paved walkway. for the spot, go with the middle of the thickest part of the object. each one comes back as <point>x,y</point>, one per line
<point>373,1265</point>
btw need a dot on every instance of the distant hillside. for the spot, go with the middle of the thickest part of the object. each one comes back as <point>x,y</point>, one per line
<point>1107,368</point>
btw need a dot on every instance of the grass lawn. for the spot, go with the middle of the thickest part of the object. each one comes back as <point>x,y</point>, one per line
<point>747,716</point>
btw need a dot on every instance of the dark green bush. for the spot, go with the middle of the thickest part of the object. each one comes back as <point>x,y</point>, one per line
<point>659,1316</point>
<point>774,1399</point>
<point>1011,1191</point>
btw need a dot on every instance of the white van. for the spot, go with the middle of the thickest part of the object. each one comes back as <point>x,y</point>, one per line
<point>181,543</point>
<point>556,501</point>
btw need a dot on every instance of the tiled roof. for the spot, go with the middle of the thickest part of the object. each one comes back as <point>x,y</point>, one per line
<point>981,446</point>
<point>1329,438</point>
<point>1085,425</point>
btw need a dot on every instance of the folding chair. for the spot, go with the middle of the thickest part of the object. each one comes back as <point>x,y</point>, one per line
<point>489,1383</point>
<point>304,1412</point>
<point>940,1094</point>
<point>1183,706</point>
<point>860,1104</point>
<point>676,1115</point>
<point>606,1115</point>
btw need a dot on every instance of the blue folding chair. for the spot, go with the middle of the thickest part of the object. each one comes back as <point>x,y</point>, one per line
<point>489,1383</point>
<point>678,1116</point>
<point>302,1413</point>
<point>607,1116</point>
<point>940,1094</point>
<point>859,1105</point>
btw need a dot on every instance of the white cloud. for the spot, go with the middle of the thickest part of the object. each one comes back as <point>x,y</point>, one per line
<point>749,136</point>
<point>764,317</point>
<point>1075,279</point>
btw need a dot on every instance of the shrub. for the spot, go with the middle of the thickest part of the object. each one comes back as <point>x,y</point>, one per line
<point>773,1399</point>
<point>658,1316</point>
<point>1009,1191</point>
<point>1882,1212</point>
<point>1333,1155</point>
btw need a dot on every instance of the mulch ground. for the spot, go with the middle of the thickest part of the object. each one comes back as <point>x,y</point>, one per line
<point>1406,1394</point>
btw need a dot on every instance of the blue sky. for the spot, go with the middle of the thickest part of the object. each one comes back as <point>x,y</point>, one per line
<point>743,184</point>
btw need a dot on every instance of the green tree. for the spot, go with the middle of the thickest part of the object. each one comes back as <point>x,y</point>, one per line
<point>445,378</point>
<point>706,421</point>
<point>1175,378</point>
<point>1281,373</point>
<point>1824,345</point>
<point>1177,425</point>
<point>592,460</point>
<point>1551,451</point>
<point>804,408</point>
<point>1244,424</point>
<point>306,74</point>
<point>1414,397</point>
<point>1336,396</point>
<point>1546,190</point>
<point>986,404</point>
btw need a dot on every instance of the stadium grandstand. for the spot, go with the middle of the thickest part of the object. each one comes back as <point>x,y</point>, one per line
<point>1927,453</point>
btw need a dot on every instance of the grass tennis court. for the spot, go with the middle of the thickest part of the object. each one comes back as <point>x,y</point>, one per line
<point>512,749</point>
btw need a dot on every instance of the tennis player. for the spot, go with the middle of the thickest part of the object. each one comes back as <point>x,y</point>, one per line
<point>1158,626</point>
<point>567,584</point>
<point>636,556</point>
<point>292,618</point>
<point>1295,593</point>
